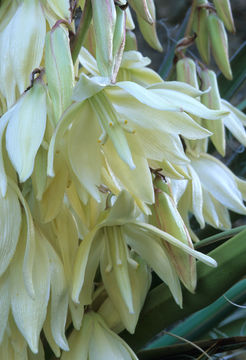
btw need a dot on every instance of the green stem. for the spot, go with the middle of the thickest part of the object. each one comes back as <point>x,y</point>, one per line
<point>83,27</point>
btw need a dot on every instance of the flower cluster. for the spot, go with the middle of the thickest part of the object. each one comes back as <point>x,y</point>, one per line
<point>101,163</point>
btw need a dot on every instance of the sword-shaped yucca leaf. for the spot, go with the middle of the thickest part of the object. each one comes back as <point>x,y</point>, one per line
<point>212,283</point>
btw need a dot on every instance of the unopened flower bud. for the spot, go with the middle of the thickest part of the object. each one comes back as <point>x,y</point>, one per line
<point>223,8</point>
<point>186,72</point>
<point>168,219</point>
<point>149,29</point>
<point>142,9</point>
<point>213,101</point>
<point>200,28</point>
<point>219,43</point>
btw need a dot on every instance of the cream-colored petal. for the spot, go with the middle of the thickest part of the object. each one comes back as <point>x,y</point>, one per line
<point>10,222</point>
<point>196,195</point>
<point>84,150</point>
<point>158,145</point>
<point>111,128</point>
<point>147,97</point>
<point>48,334</point>
<point>27,41</point>
<point>59,297</point>
<point>18,342</point>
<point>239,114</point>
<point>79,341</point>
<point>114,306</point>
<point>151,250</point>
<point>7,77</point>
<point>235,122</point>
<point>81,263</point>
<point>29,314</point>
<point>67,238</point>
<point>61,8</point>
<point>111,316</point>
<point>71,114</point>
<point>26,129</point>
<point>114,265</point>
<point>217,179</point>
<point>215,213</point>
<point>39,175</point>
<point>88,61</point>
<point>178,86</point>
<point>4,303</point>
<point>59,69</point>
<point>106,343</point>
<point>28,237</point>
<point>131,179</point>
<point>188,104</point>
<point>53,196</point>
<point>123,210</point>
<point>86,294</point>
<point>161,234</point>
<point>173,122</point>
<point>3,124</point>
<point>133,60</point>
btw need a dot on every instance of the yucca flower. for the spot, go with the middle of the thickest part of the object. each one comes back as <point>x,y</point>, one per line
<point>95,340</point>
<point>25,125</point>
<point>123,136</point>
<point>166,217</point>
<point>22,41</point>
<point>41,266</point>
<point>118,317</point>
<point>210,194</point>
<point>107,243</point>
<point>84,219</point>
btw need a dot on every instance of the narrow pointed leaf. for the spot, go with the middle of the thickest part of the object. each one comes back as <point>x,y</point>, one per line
<point>212,283</point>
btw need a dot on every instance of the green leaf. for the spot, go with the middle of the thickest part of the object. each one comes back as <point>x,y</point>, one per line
<point>229,87</point>
<point>233,328</point>
<point>160,309</point>
<point>213,241</point>
<point>183,351</point>
<point>206,319</point>
<point>242,105</point>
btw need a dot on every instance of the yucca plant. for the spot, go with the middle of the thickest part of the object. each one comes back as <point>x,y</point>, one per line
<point>105,165</point>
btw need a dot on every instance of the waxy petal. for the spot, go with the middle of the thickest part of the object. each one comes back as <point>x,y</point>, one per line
<point>188,104</point>
<point>83,146</point>
<point>114,266</point>
<point>59,69</point>
<point>29,314</point>
<point>27,41</point>
<point>220,182</point>
<point>59,297</point>
<point>60,7</point>
<point>26,129</point>
<point>79,341</point>
<point>173,122</point>
<point>4,303</point>
<point>165,236</point>
<point>131,179</point>
<point>151,250</point>
<point>10,221</point>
